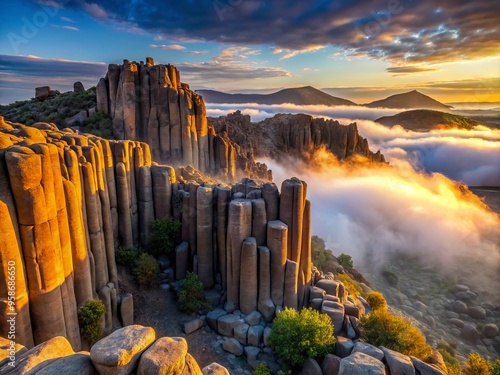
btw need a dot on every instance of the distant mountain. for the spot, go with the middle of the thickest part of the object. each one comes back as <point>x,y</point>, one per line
<point>301,96</point>
<point>425,120</point>
<point>411,99</point>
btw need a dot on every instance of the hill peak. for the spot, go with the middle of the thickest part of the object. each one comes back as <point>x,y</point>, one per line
<point>412,100</point>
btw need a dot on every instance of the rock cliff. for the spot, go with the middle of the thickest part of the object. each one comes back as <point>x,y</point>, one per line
<point>149,103</point>
<point>67,200</point>
<point>294,135</point>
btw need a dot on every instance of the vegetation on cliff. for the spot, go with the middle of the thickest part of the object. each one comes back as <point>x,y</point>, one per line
<point>297,336</point>
<point>90,316</point>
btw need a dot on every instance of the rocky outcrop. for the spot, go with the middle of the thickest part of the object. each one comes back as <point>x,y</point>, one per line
<point>294,135</point>
<point>130,350</point>
<point>149,103</point>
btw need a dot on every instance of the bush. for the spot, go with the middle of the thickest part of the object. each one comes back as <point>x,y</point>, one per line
<point>100,124</point>
<point>262,369</point>
<point>90,316</point>
<point>127,256</point>
<point>322,257</point>
<point>477,365</point>
<point>353,288</point>
<point>376,301</point>
<point>345,260</point>
<point>495,369</point>
<point>297,336</point>
<point>381,328</point>
<point>146,270</point>
<point>191,297</point>
<point>391,278</point>
<point>164,232</point>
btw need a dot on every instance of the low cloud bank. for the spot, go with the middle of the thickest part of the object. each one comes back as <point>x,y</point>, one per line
<point>376,212</point>
<point>471,157</point>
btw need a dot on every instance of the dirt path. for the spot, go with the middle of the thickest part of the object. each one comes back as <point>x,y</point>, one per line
<point>157,308</point>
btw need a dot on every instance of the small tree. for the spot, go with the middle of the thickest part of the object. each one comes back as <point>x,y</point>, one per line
<point>376,301</point>
<point>297,336</point>
<point>147,270</point>
<point>345,260</point>
<point>90,316</point>
<point>262,369</point>
<point>163,234</point>
<point>127,256</point>
<point>477,365</point>
<point>191,297</point>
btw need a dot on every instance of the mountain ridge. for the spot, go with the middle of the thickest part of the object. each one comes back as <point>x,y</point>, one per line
<point>412,100</point>
<point>306,95</point>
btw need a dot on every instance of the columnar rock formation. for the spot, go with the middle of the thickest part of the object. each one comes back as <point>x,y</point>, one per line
<point>149,103</point>
<point>68,200</point>
<point>294,135</point>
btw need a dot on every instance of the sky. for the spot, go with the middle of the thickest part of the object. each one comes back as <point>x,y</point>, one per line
<point>359,50</point>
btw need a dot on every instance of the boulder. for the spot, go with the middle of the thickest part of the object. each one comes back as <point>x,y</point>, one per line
<point>331,365</point>
<point>254,318</point>
<point>192,325</point>
<point>42,92</point>
<point>78,363</point>
<point>490,330</point>
<point>459,307</point>
<point>477,312</point>
<point>227,323</point>
<point>368,349</point>
<point>240,333</point>
<point>190,368</point>
<point>329,286</point>
<point>469,332</point>
<point>6,352</point>
<point>254,336</point>
<point>251,352</point>
<point>119,352</point>
<point>166,356</point>
<point>38,356</point>
<point>315,292</point>
<point>343,347</point>
<point>425,368</point>
<point>78,87</point>
<point>214,369</point>
<point>213,316</point>
<point>361,364</point>
<point>127,310</point>
<point>311,367</point>
<point>233,346</point>
<point>265,336</point>
<point>398,363</point>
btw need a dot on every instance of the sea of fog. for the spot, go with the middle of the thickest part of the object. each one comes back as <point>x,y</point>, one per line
<point>412,206</point>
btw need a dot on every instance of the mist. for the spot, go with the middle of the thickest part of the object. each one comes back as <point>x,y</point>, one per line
<point>376,212</point>
<point>471,157</point>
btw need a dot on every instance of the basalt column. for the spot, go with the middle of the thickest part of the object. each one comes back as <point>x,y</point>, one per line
<point>12,267</point>
<point>204,234</point>
<point>239,228</point>
<point>223,199</point>
<point>248,278</point>
<point>265,304</point>
<point>277,239</point>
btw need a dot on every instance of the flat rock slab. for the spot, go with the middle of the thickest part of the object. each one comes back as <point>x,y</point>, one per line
<point>78,363</point>
<point>369,349</point>
<point>361,364</point>
<point>192,325</point>
<point>166,356</point>
<point>118,353</point>
<point>227,323</point>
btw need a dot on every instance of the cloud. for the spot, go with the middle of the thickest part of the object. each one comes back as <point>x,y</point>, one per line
<point>67,19</point>
<point>292,53</point>
<point>19,75</point>
<point>229,65</point>
<point>197,53</point>
<point>71,28</point>
<point>478,150</point>
<point>174,47</point>
<point>400,70</point>
<point>402,32</point>
<point>375,213</point>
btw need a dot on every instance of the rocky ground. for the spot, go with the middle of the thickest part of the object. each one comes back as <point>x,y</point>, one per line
<point>152,306</point>
<point>447,308</point>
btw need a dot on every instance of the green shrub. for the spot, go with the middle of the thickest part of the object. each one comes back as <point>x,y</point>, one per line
<point>322,257</point>
<point>262,369</point>
<point>147,270</point>
<point>90,316</point>
<point>381,328</point>
<point>391,278</point>
<point>127,256</point>
<point>297,336</point>
<point>376,301</point>
<point>345,260</point>
<point>164,232</point>
<point>191,296</point>
<point>352,287</point>
<point>100,124</point>
<point>477,365</point>
<point>495,368</point>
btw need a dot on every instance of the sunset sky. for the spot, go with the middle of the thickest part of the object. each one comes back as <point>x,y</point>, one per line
<point>364,50</point>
